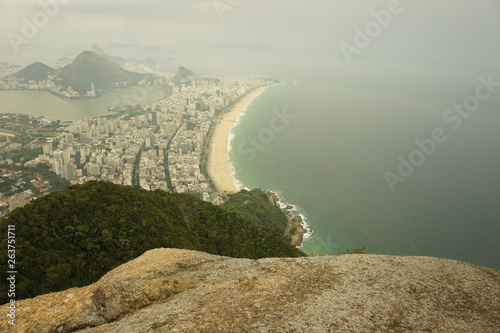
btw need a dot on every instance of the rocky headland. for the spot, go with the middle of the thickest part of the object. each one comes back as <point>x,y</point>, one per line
<point>293,220</point>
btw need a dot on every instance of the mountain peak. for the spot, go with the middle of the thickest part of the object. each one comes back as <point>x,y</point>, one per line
<point>185,71</point>
<point>90,67</point>
<point>183,74</point>
<point>37,71</point>
<point>95,48</point>
<point>88,53</point>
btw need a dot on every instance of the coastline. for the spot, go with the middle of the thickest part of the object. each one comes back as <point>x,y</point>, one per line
<point>299,221</point>
<point>218,166</point>
<point>220,169</point>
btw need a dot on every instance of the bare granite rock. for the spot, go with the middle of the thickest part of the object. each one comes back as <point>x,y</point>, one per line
<point>171,290</point>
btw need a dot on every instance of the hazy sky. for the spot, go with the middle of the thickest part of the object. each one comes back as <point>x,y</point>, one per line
<point>253,36</point>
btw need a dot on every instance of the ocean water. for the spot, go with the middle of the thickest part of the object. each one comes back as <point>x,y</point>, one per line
<point>341,133</point>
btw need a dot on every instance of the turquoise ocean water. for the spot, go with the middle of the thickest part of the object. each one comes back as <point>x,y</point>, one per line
<point>348,130</point>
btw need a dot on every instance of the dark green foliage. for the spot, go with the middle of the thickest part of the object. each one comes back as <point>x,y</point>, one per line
<point>135,171</point>
<point>35,72</point>
<point>255,206</point>
<point>90,67</point>
<point>25,155</point>
<point>6,184</point>
<point>358,250</point>
<point>73,237</point>
<point>57,182</point>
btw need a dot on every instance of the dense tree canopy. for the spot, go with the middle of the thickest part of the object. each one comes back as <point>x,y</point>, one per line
<point>73,237</point>
<point>254,206</point>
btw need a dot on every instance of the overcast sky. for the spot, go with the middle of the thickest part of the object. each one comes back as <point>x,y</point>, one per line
<point>256,35</point>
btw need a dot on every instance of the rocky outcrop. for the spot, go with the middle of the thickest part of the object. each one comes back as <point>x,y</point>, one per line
<point>295,220</point>
<point>171,290</point>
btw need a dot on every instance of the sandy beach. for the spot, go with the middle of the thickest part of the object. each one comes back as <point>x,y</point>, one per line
<point>218,165</point>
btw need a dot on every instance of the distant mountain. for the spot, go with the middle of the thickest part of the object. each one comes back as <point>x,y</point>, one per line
<point>89,67</point>
<point>64,61</point>
<point>184,74</point>
<point>96,49</point>
<point>35,72</point>
<point>117,60</point>
<point>138,51</point>
<point>149,63</point>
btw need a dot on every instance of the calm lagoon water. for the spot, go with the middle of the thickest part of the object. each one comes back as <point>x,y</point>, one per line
<point>40,103</point>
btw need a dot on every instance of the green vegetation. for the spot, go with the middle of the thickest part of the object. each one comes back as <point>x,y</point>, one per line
<point>25,155</point>
<point>166,168</point>
<point>35,72</point>
<point>255,206</point>
<point>6,185</point>
<point>155,276</point>
<point>73,237</point>
<point>89,67</point>
<point>358,250</point>
<point>57,183</point>
<point>135,172</point>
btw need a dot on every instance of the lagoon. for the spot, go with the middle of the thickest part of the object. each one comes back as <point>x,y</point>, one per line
<point>41,103</point>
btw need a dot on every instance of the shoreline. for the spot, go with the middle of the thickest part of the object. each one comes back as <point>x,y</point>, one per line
<point>218,165</point>
<point>302,228</point>
<point>220,170</point>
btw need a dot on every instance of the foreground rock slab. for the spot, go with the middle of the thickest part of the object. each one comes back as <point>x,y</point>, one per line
<point>171,290</point>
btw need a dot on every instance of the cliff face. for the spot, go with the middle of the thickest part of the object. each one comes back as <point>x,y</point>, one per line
<point>171,290</point>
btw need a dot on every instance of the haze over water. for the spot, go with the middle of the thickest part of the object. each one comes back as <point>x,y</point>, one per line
<point>41,103</point>
<point>350,128</point>
<point>353,120</point>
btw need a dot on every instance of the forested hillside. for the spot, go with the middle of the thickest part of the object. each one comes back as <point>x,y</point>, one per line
<point>255,206</point>
<point>71,238</point>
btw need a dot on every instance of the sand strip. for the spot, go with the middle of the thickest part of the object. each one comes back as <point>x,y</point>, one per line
<point>218,165</point>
